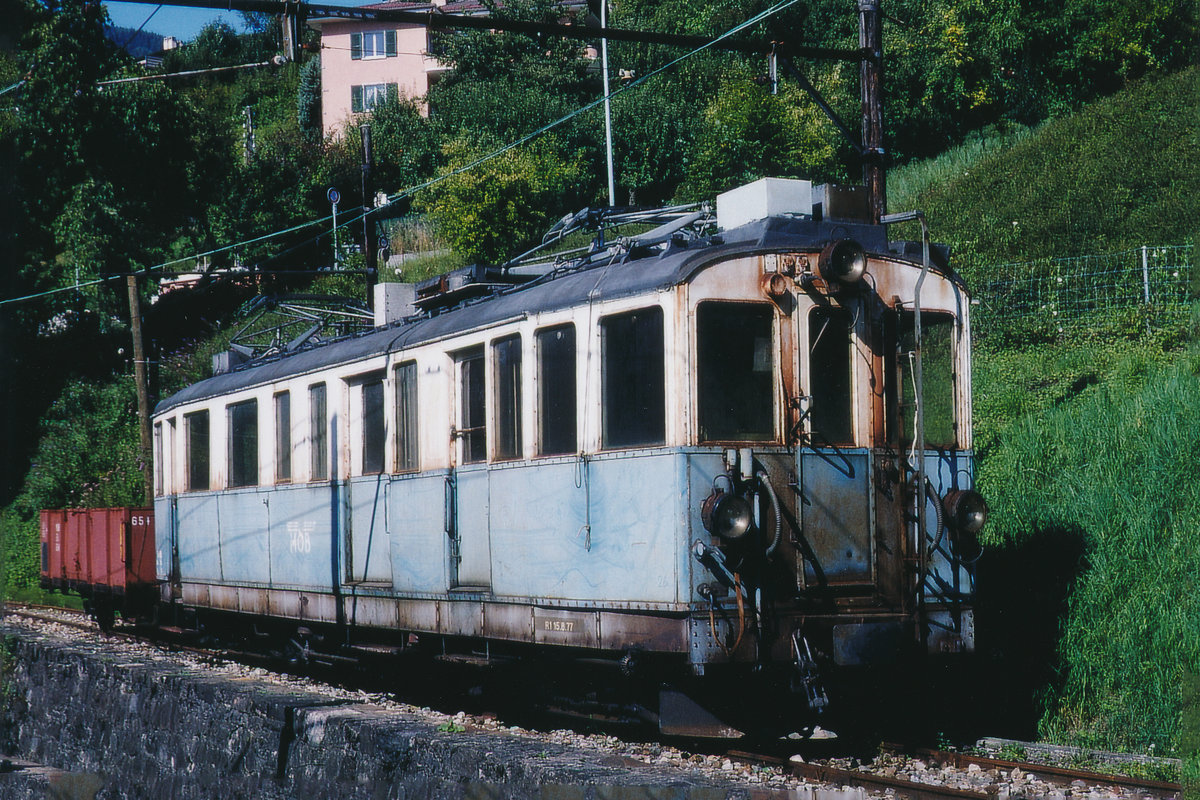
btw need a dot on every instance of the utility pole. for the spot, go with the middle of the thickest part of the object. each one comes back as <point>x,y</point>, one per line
<point>368,203</point>
<point>870,42</point>
<point>143,390</point>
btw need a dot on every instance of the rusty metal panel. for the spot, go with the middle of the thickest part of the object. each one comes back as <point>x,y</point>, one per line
<point>253,601</point>
<point>194,594</point>
<point>417,615</point>
<point>223,597</point>
<point>651,633</point>
<point>371,612</point>
<point>284,604</point>
<point>139,552</point>
<point>461,618</point>
<point>318,607</point>
<point>53,531</point>
<point>574,628</point>
<point>75,551</point>
<point>507,621</point>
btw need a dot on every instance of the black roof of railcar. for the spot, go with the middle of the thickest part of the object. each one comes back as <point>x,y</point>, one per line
<point>627,276</point>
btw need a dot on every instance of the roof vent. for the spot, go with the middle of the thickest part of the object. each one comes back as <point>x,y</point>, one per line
<point>394,302</point>
<point>768,197</point>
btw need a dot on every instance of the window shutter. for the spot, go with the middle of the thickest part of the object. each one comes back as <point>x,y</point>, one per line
<point>393,92</point>
<point>356,46</point>
<point>356,99</point>
<point>389,43</point>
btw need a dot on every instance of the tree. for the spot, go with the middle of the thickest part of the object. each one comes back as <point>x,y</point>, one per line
<point>500,207</point>
<point>748,133</point>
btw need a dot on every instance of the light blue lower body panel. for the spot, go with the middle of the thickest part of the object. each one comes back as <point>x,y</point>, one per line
<point>244,519</point>
<point>417,533</point>
<point>368,553</point>
<point>303,517</point>
<point>199,528</point>
<point>575,531</point>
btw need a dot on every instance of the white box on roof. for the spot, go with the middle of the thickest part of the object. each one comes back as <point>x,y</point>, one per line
<point>764,198</point>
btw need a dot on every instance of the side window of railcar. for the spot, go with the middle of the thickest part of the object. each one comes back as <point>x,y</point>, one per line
<point>937,372</point>
<point>633,378</point>
<point>736,372</point>
<point>158,459</point>
<point>407,454</point>
<point>318,431</point>
<point>507,360</point>
<point>472,405</point>
<point>196,426</point>
<point>243,443</point>
<point>830,372</point>
<point>556,391</point>
<point>283,437</point>
<point>373,427</point>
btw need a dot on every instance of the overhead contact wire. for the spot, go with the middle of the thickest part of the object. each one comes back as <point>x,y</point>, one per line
<point>775,9</point>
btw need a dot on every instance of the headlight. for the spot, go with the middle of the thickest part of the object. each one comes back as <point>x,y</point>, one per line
<point>843,261</point>
<point>726,515</point>
<point>966,510</point>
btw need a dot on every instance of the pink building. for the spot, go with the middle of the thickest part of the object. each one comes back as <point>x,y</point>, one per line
<point>363,62</point>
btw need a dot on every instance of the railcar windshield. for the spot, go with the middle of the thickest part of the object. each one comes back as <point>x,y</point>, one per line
<point>939,374</point>
<point>736,372</point>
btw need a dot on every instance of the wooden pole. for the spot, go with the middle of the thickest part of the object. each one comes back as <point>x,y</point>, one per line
<point>870,41</point>
<point>143,390</point>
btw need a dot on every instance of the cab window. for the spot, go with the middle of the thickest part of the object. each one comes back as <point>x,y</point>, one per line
<point>735,372</point>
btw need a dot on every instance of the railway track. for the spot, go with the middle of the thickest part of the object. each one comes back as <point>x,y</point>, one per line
<point>1076,782</point>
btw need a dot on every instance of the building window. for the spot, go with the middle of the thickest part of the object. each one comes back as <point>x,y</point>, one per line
<point>196,426</point>
<point>735,375</point>
<point>283,437</point>
<point>633,378</point>
<point>243,443</point>
<point>407,454</point>
<point>318,435</point>
<point>373,44</point>
<point>556,390</point>
<point>472,406</point>
<point>373,428</point>
<point>507,353</point>
<point>830,352</point>
<point>365,98</point>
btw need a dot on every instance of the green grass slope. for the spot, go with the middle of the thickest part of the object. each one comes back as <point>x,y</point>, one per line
<point>1120,173</point>
<point>1087,440</point>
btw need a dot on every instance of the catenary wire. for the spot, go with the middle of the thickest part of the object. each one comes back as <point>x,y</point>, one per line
<point>409,192</point>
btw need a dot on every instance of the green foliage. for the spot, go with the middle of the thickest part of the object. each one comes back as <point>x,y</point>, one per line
<point>748,133</point>
<point>505,204</point>
<point>1115,463</point>
<point>308,99</point>
<point>88,456</point>
<point>1121,173</point>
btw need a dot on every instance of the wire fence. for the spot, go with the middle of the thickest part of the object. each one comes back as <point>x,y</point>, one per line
<point>1153,282</point>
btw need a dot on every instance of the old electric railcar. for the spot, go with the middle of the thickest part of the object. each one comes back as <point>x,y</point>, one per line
<point>704,449</point>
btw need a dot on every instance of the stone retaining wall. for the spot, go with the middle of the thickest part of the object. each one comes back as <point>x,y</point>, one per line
<point>109,725</point>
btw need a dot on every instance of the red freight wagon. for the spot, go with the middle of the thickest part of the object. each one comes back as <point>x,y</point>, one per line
<point>105,554</point>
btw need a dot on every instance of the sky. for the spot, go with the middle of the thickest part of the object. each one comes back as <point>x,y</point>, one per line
<point>184,23</point>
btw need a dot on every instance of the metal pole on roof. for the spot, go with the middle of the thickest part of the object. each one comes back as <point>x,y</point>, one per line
<point>608,142</point>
